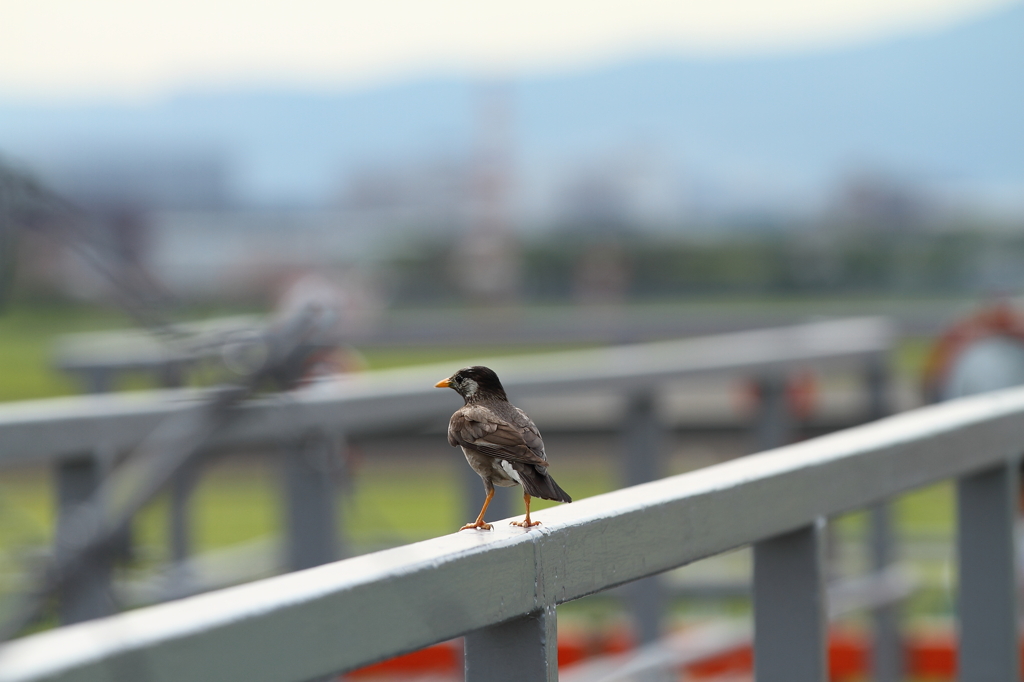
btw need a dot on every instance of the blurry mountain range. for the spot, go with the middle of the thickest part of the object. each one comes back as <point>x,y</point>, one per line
<point>660,137</point>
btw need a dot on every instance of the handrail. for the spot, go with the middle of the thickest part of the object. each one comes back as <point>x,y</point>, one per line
<point>354,612</point>
<point>381,401</point>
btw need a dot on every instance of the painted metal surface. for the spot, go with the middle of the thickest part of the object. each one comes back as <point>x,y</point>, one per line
<point>887,655</point>
<point>386,401</point>
<point>91,596</point>
<point>790,607</point>
<point>987,601</point>
<point>310,506</point>
<point>354,612</point>
<point>523,649</point>
<point>774,423</point>
<point>641,462</point>
<point>887,662</point>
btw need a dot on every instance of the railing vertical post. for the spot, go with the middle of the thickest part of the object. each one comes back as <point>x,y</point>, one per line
<point>876,385</point>
<point>521,650</point>
<point>179,522</point>
<point>790,609</point>
<point>88,595</point>
<point>179,526</point>
<point>887,653</point>
<point>99,380</point>
<point>773,424</point>
<point>180,529</point>
<point>987,601</point>
<point>642,462</point>
<point>311,509</point>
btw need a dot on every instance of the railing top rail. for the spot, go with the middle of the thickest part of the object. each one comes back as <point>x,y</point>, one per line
<point>379,401</point>
<point>354,612</point>
<point>129,349</point>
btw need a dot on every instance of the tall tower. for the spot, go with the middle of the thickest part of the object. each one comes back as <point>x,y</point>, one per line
<point>488,260</point>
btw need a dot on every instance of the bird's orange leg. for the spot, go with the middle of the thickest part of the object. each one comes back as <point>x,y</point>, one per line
<point>479,523</point>
<point>526,523</point>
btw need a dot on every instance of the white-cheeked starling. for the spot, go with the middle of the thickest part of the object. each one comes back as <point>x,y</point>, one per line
<point>500,442</point>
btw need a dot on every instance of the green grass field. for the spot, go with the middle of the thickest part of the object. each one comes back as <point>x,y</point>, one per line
<point>26,335</point>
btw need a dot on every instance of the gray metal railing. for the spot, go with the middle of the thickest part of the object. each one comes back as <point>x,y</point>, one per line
<point>500,589</point>
<point>81,436</point>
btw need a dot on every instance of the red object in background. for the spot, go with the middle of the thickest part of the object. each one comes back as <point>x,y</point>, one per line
<point>581,647</point>
<point>927,656</point>
<point>847,659</point>
<point>932,656</point>
<point>997,319</point>
<point>801,394</point>
<point>438,659</point>
<point>738,660</point>
<point>848,655</point>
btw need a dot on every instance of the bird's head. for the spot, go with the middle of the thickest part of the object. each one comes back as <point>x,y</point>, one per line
<point>474,383</point>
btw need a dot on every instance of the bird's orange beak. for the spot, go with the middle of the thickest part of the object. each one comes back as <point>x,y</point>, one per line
<point>443,383</point>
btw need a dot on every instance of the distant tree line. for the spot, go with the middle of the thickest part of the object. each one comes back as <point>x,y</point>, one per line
<point>577,265</point>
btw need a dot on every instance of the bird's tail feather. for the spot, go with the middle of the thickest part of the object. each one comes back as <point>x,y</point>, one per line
<point>541,485</point>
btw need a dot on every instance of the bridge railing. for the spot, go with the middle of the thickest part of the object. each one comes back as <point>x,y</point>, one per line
<point>82,437</point>
<point>500,589</point>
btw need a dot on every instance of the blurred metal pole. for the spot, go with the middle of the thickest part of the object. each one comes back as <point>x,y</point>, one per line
<point>183,483</point>
<point>642,442</point>
<point>887,653</point>
<point>773,423</point>
<point>311,508</point>
<point>99,380</point>
<point>89,594</point>
<point>179,529</point>
<point>987,602</point>
<point>171,375</point>
<point>877,383</point>
<point>181,491</point>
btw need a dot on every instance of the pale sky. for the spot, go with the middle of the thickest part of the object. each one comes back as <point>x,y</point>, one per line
<point>140,48</point>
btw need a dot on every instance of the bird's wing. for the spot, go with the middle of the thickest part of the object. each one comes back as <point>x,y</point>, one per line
<point>531,434</point>
<point>480,430</point>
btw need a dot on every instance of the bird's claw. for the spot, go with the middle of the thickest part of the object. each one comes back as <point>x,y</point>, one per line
<point>478,526</point>
<point>525,523</point>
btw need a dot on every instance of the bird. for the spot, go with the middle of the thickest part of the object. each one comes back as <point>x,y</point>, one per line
<point>501,443</point>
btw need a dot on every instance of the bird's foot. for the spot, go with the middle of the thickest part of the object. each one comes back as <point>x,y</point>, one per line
<point>479,525</point>
<point>525,523</point>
